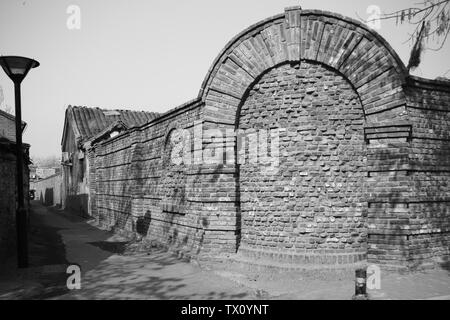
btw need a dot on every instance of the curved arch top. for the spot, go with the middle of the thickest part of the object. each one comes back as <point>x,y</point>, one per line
<point>346,45</point>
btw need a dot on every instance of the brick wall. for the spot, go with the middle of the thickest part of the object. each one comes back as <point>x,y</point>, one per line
<point>429,207</point>
<point>91,164</point>
<point>363,161</point>
<point>408,216</point>
<point>138,189</point>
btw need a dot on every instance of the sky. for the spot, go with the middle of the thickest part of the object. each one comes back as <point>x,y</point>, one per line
<point>147,55</point>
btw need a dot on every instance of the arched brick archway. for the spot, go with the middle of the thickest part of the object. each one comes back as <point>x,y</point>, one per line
<point>311,197</point>
<point>346,45</point>
<point>369,70</point>
<point>197,208</point>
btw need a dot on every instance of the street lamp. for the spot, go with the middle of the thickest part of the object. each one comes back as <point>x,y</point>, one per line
<point>17,68</point>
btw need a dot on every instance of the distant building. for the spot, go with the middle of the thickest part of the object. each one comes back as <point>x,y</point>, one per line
<point>33,175</point>
<point>83,126</point>
<point>37,173</point>
<point>45,172</point>
<point>48,190</point>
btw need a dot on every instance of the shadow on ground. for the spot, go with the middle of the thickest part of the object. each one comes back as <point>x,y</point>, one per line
<point>112,267</point>
<point>154,275</point>
<point>116,247</point>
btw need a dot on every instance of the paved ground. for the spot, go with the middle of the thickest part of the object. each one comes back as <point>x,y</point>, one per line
<point>112,268</point>
<point>106,272</point>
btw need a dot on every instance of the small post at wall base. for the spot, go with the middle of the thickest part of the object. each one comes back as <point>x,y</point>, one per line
<point>360,285</point>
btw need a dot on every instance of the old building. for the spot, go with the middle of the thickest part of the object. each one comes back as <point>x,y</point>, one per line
<point>81,125</point>
<point>48,190</point>
<point>8,187</point>
<point>359,154</point>
<point>42,173</point>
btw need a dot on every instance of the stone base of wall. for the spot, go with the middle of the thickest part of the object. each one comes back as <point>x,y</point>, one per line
<point>324,257</point>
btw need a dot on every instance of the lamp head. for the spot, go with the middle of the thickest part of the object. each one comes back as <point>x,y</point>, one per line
<point>17,67</point>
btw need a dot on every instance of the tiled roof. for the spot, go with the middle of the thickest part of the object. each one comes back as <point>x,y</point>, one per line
<point>118,125</point>
<point>91,121</point>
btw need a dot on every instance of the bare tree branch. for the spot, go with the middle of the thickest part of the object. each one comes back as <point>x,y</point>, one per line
<point>435,15</point>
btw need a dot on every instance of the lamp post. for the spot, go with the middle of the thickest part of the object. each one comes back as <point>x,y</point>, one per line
<point>17,68</point>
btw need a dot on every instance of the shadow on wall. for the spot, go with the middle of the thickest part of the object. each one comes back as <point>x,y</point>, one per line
<point>121,218</point>
<point>143,223</point>
<point>123,213</point>
<point>48,198</point>
<point>201,219</point>
<point>78,204</point>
